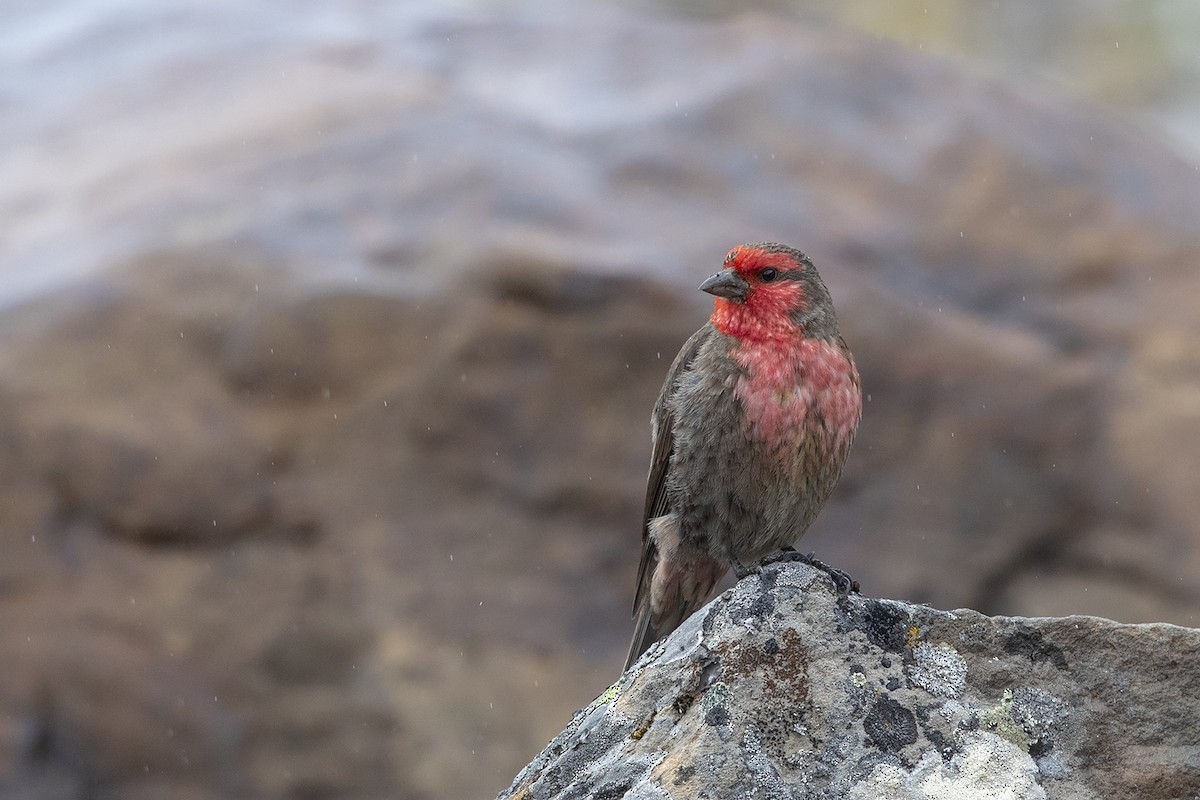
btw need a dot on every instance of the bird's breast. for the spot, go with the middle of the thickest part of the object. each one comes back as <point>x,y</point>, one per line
<point>798,393</point>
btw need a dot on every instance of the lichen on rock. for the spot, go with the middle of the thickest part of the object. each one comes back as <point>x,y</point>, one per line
<point>781,688</point>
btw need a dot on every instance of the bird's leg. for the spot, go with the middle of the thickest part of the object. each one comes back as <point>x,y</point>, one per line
<point>841,580</point>
<point>741,570</point>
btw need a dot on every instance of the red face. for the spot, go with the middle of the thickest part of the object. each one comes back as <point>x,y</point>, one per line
<point>772,298</point>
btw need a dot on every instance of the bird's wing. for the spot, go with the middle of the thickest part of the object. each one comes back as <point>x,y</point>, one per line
<point>663,437</point>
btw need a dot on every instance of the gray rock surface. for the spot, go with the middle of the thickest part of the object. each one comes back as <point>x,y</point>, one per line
<point>780,688</point>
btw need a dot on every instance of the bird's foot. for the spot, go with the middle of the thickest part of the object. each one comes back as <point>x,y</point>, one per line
<point>741,570</point>
<point>841,580</point>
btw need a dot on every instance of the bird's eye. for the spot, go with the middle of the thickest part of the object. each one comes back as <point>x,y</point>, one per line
<point>769,274</point>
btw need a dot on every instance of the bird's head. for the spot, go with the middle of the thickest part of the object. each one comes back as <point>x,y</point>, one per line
<point>770,291</point>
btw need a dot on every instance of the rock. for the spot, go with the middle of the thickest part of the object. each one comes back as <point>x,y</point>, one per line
<point>781,688</point>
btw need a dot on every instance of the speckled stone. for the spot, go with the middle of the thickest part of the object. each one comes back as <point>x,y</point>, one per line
<point>822,696</point>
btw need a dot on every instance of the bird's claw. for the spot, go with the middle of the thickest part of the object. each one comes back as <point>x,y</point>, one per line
<point>741,570</point>
<point>841,580</point>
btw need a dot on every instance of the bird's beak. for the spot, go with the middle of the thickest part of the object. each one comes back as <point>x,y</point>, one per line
<point>727,284</point>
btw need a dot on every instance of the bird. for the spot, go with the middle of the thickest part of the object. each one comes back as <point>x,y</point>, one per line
<point>749,434</point>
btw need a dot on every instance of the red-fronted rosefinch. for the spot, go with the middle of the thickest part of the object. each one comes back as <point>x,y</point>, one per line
<point>750,433</point>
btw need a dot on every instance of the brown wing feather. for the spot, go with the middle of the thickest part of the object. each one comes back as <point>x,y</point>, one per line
<point>663,426</point>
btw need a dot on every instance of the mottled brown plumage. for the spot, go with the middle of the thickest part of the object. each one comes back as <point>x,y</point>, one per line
<point>750,433</point>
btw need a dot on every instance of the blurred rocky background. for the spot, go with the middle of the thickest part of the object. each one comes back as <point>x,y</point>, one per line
<point>329,334</point>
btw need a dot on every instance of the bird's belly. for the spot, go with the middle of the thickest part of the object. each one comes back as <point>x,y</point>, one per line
<point>737,498</point>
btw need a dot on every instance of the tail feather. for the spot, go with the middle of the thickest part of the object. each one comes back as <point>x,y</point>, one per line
<point>676,588</point>
<point>644,635</point>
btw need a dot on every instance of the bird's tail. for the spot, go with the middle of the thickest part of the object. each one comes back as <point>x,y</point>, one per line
<point>682,588</point>
<point>644,634</point>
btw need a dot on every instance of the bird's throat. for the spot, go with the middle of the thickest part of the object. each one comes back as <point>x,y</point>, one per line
<point>765,314</point>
